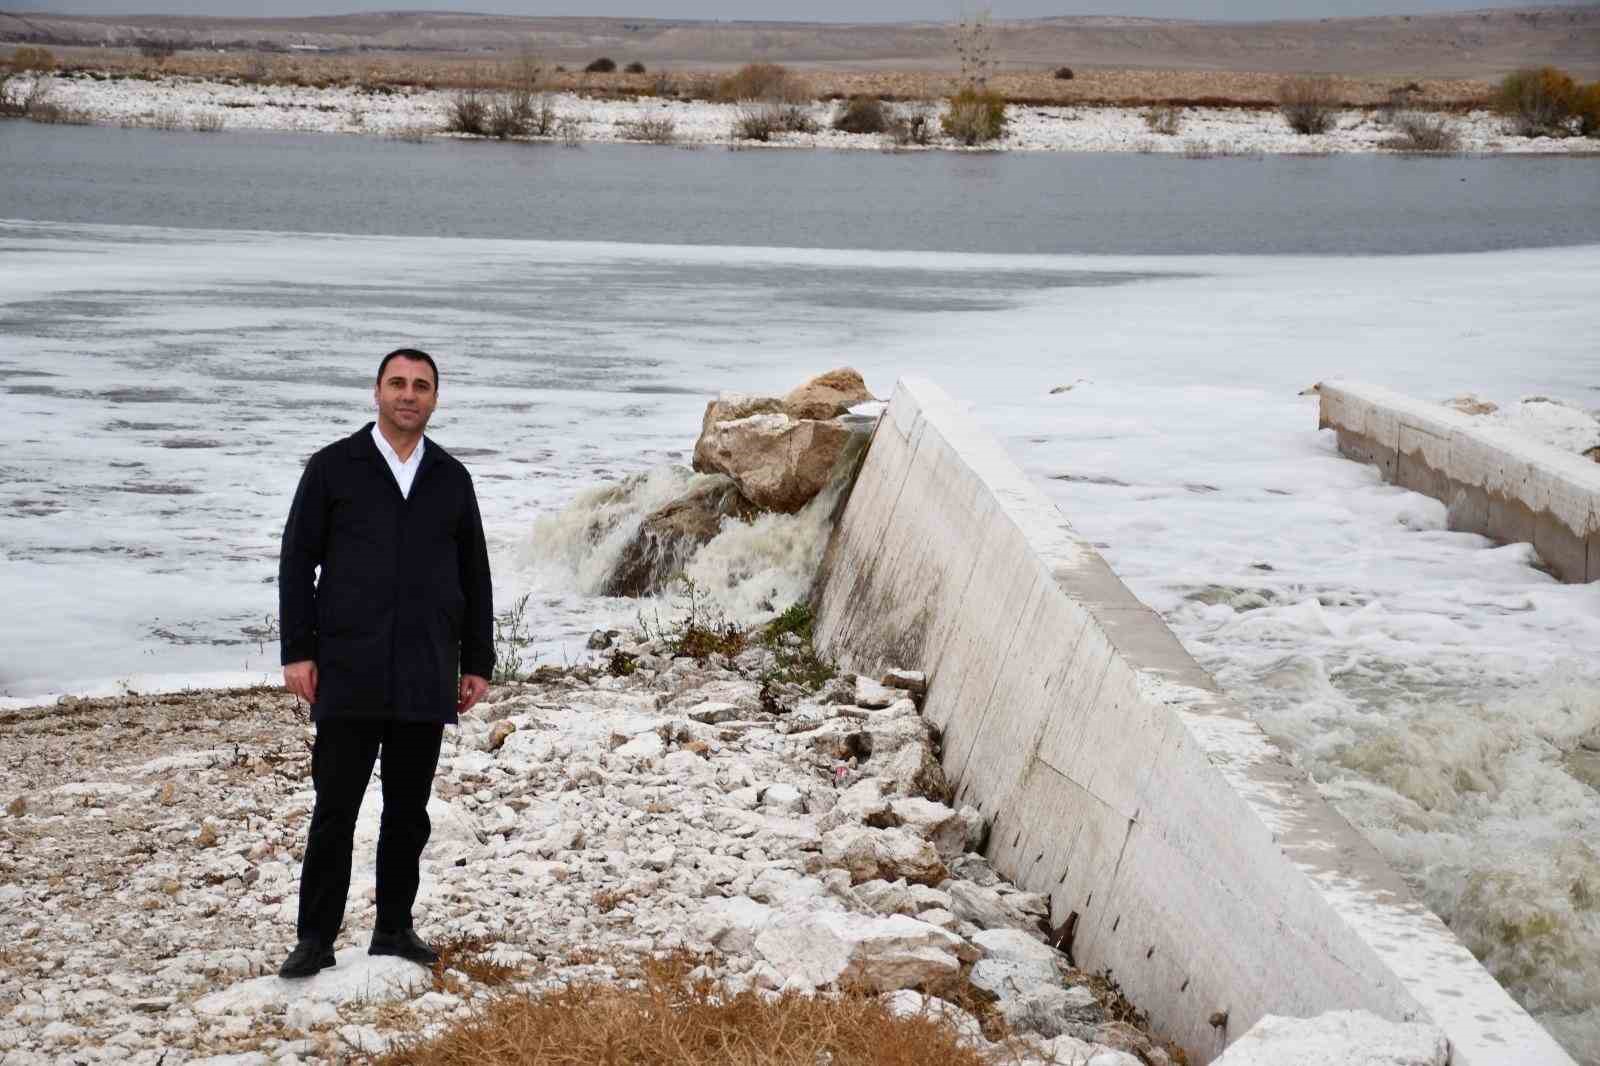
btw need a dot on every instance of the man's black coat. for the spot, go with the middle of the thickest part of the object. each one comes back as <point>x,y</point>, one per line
<point>402,606</point>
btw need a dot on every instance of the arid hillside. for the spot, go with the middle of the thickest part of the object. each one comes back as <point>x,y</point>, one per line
<point>1478,44</point>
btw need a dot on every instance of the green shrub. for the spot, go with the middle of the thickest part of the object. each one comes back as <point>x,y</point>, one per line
<point>975,116</point>
<point>603,65</point>
<point>862,114</point>
<point>1539,101</point>
<point>1308,104</point>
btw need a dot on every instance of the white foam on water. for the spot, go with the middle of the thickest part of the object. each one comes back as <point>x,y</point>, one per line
<point>1436,685</point>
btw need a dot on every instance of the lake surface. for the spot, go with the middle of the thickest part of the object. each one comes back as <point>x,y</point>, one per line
<point>183,318</point>
<point>1118,203</point>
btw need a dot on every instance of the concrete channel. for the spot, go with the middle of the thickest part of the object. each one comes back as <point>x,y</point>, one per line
<point>1177,843</point>
<point>1492,480</point>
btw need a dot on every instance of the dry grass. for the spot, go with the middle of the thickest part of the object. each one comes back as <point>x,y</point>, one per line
<point>652,130</point>
<point>382,72</point>
<point>470,955</point>
<point>975,117</point>
<point>667,1017</point>
<point>1308,104</point>
<point>1417,132</point>
<point>1164,119</point>
<point>764,81</point>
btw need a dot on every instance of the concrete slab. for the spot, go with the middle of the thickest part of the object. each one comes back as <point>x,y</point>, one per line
<point>1185,849</point>
<point>1492,481</point>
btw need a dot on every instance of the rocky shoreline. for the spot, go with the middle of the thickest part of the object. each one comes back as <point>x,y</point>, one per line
<point>647,802</point>
<point>191,103</point>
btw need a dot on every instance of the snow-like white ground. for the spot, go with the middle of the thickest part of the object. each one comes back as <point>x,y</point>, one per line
<point>162,386</point>
<point>182,102</point>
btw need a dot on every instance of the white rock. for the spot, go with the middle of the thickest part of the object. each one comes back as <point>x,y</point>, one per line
<point>1050,1010</point>
<point>855,950</point>
<point>357,976</point>
<point>907,1003</point>
<point>872,695</point>
<point>983,907</point>
<point>914,681</point>
<point>934,822</point>
<point>730,924</point>
<point>783,798</point>
<point>888,854</point>
<point>644,746</point>
<point>1337,1038</point>
<point>661,859</point>
<point>712,711</point>
<point>863,803</point>
<point>1014,964</point>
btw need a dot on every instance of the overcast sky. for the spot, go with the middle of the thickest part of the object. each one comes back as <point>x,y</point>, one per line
<point>798,10</point>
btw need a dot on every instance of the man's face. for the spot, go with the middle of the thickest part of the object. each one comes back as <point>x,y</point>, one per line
<point>406,395</point>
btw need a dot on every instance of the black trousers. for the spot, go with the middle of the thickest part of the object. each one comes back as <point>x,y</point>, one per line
<point>341,764</point>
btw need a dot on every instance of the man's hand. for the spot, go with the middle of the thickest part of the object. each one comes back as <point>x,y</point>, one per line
<point>301,679</point>
<point>472,689</point>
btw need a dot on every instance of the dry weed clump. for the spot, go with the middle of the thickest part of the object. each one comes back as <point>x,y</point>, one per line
<point>911,127</point>
<point>1544,102</point>
<point>761,120</point>
<point>1308,104</point>
<point>862,114</point>
<point>763,81</point>
<point>975,116</point>
<point>1417,132</point>
<point>28,58</point>
<point>1164,119</point>
<point>670,1016</point>
<point>652,130</point>
<point>470,955</point>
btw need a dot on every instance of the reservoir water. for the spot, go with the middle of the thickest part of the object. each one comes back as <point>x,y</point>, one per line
<point>183,318</point>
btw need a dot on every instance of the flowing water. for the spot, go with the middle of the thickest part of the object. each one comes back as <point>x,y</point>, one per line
<point>163,382</point>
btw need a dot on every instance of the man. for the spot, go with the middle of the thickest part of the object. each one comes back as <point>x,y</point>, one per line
<point>375,643</point>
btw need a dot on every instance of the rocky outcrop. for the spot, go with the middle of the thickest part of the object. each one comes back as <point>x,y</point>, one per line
<point>778,462</point>
<point>781,452</point>
<point>827,395</point>
<point>670,535</point>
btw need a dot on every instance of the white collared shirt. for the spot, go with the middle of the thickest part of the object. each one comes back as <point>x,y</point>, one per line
<point>404,471</point>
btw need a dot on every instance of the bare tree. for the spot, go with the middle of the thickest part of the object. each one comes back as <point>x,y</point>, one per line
<point>974,43</point>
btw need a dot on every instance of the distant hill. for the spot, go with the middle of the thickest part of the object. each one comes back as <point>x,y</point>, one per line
<point>1472,44</point>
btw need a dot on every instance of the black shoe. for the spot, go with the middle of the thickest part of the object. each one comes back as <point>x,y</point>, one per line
<point>307,959</point>
<point>406,944</point>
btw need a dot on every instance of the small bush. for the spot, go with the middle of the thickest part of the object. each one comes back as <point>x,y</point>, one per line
<point>603,65</point>
<point>1540,102</point>
<point>510,114</point>
<point>1415,132</point>
<point>653,130</point>
<point>761,120</point>
<point>28,58</point>
<point>762,81</point>
<point>975,116</point>
<point>158,48</point>
<point>1588,108</point>
<point>1063,74</point>
<point>1308,104</point>
<point>862,114</point>
<point>468,112</point>
<point>1164,119</point>
<point>635,67</point>
<point>511,636</point>
<point>911,127</point>
<point>208,122</point>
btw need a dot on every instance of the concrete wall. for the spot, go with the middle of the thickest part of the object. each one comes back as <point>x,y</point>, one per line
<point>1493,481</point>
<point>1199,864</point>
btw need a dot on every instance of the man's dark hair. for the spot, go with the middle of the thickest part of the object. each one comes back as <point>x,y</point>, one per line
<point>410,353</point>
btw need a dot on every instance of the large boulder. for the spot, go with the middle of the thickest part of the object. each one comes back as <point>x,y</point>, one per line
<point>778,462</point>
<point>670,535</point>
<point>853,950</point>
<point>827,395</point>
<point>883,854</point>
<point>729,407</point>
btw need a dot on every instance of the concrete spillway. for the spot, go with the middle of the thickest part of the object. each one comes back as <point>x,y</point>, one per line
<point>1493,481</point>
<point>1174,839</point>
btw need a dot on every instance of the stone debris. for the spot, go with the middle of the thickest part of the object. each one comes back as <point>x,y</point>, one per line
<point>577,818</point>
<point>912,681</point>
<point>1337,1038</point>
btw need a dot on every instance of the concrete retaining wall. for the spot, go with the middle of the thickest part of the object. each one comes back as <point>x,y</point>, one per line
<point>1494,482</point>
<point>1178,841</point>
